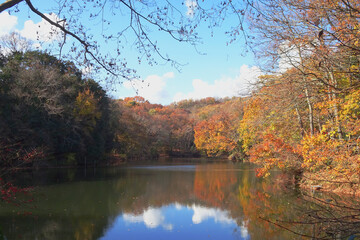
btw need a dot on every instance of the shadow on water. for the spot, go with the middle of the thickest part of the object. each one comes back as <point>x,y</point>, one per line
<point>195,201</point>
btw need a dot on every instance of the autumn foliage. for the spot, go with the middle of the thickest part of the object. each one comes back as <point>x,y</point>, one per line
<point>148,130</point>
<point>215,131</point>
<point>305,117</point>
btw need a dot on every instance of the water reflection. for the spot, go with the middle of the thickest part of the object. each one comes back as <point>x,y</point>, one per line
<point>203,213</point>
<point>155,217</point>
<point>152,218</point>
<point>177,221</point>
<point>212,201</point>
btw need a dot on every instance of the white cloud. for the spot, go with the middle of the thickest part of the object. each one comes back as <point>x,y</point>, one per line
<point>203,213</point>
<point>152,88</point>
<point>178,206</point>
<point>152,218</point>
<point>7,23</point>
<point>36,32</point>
<point>290,54</point>
<point>191,6</point>
<point>244,230</point>
<point>224,87</point>
<point>42,31</point>
<point>87,71</point>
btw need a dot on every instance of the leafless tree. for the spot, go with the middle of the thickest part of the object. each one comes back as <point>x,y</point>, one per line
<point>136,22</point>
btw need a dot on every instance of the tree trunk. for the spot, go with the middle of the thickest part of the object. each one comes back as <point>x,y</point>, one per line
<point>300,122</point>
<point>311,115</point>
<point>335,106</point>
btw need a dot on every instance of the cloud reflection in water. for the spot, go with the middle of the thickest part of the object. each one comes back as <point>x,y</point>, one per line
<point>203,213</point>
<point>177,221</point>
<point>152,218</point>
<point>156,217</point>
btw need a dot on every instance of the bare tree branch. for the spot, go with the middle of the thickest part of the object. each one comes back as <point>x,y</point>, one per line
<point>9,4</point>
<point>81,41</point>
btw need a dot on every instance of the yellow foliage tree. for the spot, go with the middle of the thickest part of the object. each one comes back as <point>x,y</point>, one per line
<point>86,109</point>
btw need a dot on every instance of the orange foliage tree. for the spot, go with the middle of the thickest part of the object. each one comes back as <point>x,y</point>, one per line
<point>272,127</point>
<point>149,130</point>
<point>215,135</point>
<point>305,117</point>
<point>215,132</point>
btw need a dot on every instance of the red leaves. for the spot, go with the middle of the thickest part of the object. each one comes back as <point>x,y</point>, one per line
<point>33,154</point>
<point>260,172</point>
<point>273,152</point>
<point>16,153</point>
<point>11,194</point>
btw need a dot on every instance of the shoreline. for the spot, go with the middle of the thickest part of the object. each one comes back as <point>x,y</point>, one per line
<point>331,186</point>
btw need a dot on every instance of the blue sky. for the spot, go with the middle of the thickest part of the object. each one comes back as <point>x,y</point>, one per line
<point>213,69</point>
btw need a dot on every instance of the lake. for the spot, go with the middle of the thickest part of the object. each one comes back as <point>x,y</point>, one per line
<point>163,201</point>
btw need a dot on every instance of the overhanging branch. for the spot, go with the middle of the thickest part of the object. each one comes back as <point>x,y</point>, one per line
<point>9,4</point>
<point>81,41</point>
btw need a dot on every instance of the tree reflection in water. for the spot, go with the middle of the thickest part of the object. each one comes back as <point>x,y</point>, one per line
<point>215,201</point>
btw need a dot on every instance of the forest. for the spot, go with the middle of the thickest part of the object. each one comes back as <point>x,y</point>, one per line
<point>52,116</point>
<point>302,116</point>
<point>78,161</point>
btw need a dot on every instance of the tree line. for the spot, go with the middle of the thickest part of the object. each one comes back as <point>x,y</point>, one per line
<point>302,117</point>
<point>51,115</point>
<point>48,111</point>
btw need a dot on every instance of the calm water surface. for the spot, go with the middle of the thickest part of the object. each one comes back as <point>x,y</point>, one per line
<point>191,201</point>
